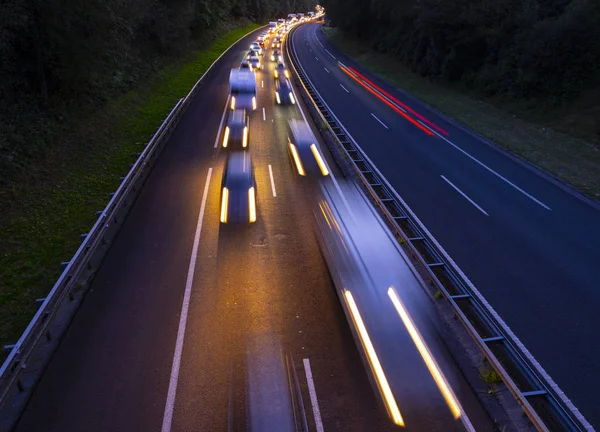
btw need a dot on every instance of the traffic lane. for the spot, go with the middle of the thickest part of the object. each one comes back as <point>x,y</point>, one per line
<point>102,364</point>
<point>498,159</point>
<point>546,270</point>
<point>267,278</point>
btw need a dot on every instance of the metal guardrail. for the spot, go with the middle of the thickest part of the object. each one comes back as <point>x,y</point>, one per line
<point>27,358</point>
<point>542,401</point>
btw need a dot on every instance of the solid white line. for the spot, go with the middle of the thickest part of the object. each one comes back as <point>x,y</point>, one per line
<point>347,91</point>
<point>272,181</point>
<point>382,123</point>
<point>313,396</point>
<point>330,54</point>
<point>222,120</point>
<point>326,70</point>
<point>170,404</point>
<point>264,115</point>
<point>465,196</point>
<point>493,172</point>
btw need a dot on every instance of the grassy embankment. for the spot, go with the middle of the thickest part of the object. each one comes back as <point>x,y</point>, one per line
<point>43,214</point>
<point>563,140</point>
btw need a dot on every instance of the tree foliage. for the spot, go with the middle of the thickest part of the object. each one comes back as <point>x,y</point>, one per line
<point>523,48</point>
<point>74,53</point>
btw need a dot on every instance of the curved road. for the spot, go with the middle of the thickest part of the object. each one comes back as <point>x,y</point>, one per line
<point>530,246</point>
<point>114,369</point>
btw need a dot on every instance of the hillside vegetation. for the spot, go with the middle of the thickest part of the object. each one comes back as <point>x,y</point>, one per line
<point>542,53</point>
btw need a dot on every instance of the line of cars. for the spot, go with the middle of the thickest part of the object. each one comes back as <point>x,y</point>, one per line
<point>238,186</point>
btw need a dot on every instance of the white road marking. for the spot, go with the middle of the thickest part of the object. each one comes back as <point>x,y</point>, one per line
<point>272,181</point>
<point>170,404</point>
<point>382,123</point>
<point>464,195</point>
<point>347,91</point>
<point>326,70</point>
<point>264,115</point>
<point>310,49</point>
<point>316,59</point>
<point>313,396</point>
<point>329,53</point>
<point>500,176</point>
<point>262,84</point>
<point>221,124</point>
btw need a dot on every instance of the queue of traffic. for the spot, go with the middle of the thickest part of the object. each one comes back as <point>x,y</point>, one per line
<point>238,186</point>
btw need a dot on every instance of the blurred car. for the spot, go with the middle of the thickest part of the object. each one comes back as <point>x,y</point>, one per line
<point>261,42</point>
<point>249,54</point>
<point>283,91</point>
<point>238,190</point>
<point>303,150</point>
<point>255,47</point>
<point>245,64</point>
<point>254,61</point>
<point>276,43</point>
<point>276,56</point>
<point>236,131</point>
<point>281,70</point>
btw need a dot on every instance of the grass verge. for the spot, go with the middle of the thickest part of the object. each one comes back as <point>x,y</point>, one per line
<point>543,136</point>
<point>44,212</point>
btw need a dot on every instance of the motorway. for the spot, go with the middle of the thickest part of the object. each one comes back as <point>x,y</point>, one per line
<point>529,244</point>
<point>181,304</point>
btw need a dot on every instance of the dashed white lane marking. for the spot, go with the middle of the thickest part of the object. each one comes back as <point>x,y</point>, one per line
<point>465,196</point>
<point>264,115</point>
<point>382,123</point>
<point>313,396</point>
<point>347,91</point>
<point>326,70</point>
<point>170,404</point>
<point>272,181</point>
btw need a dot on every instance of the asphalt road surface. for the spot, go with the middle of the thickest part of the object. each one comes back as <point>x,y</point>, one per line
<point>242,295</point>
<point>530,245</point>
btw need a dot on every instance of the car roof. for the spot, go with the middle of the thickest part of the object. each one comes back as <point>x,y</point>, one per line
<point>283,82</point>
<point>238,170</point>
<point>301,132</point>
<point>237,117</point>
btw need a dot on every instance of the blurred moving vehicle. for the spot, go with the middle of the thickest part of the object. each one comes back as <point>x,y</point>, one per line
<point>281,70</point>
<point>387,309</point>
<point>276,42</point>
<point>283,91</point>
<point>245,64</point>
<point>302,148</point>
<point>235,134</point>
<point>255,47</point>
<point>242,85</point>
<point>254,62</point>
<point>276,56</point>
<point>238,190</point>
<point>281,21</point>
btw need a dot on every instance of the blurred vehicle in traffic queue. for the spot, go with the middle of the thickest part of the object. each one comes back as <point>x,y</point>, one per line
<point>276,56</point>
<point>283,91</point>
<point>242,85</point>
<point>280,21</point>
<point>245,64</point>
<point>255,47</point>
<point>387,307</point>
<point>276,42</point>
<point>238,190</point>
<point>302,148</point>
<point>254,61</point>
<point>237,130</point>
<point>281,70</point>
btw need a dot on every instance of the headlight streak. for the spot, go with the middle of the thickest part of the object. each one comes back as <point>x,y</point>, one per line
<point>320,161</point>
<point>297,159</point>
<point>252,204</point>
<point>245,139</point>
<point>232,102</point>
<point>382,381</point>
<point>224,205</point>
<point>292,98</point>
<point>434,370</point>
<point>253,102</point>
<point>277,97</point>
<point>226,136</point>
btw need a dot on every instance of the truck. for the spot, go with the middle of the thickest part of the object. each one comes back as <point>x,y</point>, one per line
<point>242,86</point>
